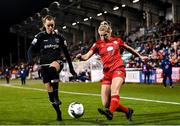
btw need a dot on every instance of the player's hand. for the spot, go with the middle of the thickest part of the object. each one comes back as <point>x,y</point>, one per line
<point>74,75</point>
<point>78,56</point>
<point>72,72</point>
<point>144,58</point>
<point>56,31</point>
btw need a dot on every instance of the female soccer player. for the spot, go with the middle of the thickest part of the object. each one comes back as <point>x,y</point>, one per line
<point>49,43</point>
<point>114,70</point>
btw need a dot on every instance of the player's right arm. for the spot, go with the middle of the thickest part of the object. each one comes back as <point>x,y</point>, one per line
<point>85,56</point>
<point>93,49</point>
<point>32,47</point>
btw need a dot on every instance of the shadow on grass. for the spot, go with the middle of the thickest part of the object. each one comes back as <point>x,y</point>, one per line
<point>158,118</point>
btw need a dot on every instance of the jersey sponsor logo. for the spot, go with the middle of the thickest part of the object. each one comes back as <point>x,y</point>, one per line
<point>57,40</point>
<point>34,41</point>
<point>45,40</point>
<point>51,46</point>
<point>110,48</point>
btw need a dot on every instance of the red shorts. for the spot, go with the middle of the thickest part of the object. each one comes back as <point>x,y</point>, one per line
<point>108,76</point>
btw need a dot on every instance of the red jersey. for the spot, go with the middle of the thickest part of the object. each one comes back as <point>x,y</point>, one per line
<point>109,53</point>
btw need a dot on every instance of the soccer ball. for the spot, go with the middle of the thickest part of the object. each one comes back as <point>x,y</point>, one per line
<point>76,110</point>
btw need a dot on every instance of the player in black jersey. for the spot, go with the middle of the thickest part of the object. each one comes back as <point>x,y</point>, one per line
<point>49,44</point>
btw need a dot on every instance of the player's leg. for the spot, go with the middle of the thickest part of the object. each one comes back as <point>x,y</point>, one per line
<point>7,80</point>
<point>25,80</point>
<point>21,81</point>
<point>115,105</point>
<point>148,77</point>
<point>115,88</point>
<point>164,79</point>
<point>54,69</point>
<point>53,102</point>
<point>47,73</point>
<point>113,101</point>
<point>105,96</point>
<point>117,82</point>
<point>118,78</point>
<point>54,81</point>
<point>170,80</point>
<point>145,76</point>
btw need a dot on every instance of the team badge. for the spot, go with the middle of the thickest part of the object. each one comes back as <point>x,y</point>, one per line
<point>102,45</point>
<point>118,72</point>
<point>115,42</point>
<point>57,40</point>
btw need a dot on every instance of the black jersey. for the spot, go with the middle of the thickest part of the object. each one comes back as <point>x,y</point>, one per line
<point>49,47</point>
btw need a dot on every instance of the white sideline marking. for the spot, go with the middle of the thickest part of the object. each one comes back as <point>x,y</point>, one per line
<point>89,94</point>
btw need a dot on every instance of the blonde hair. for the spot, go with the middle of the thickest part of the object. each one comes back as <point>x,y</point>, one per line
<point>104,28</point>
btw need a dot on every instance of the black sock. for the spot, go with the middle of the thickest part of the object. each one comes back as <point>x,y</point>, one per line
<point>55,106</point>
<point>56,95</point>
<point>58,111</point>
<point>120,110</point>
<point>51,97</point>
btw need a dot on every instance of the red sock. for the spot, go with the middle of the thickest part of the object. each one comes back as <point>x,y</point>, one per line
<point>114,103</point>
<point>123,108</point>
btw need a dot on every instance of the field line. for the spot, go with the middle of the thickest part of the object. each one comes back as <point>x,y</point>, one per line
<point>90,94</point>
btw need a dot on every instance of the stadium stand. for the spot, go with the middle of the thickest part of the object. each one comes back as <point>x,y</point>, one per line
<point>153,28</point>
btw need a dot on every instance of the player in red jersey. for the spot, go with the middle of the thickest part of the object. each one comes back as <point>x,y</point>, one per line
<point>113,68</point>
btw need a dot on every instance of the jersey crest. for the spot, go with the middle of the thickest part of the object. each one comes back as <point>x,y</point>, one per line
<point>115,42</point>
<point>57,40</point>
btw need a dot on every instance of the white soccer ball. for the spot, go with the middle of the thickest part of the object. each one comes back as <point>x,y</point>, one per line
<point>76,109</point>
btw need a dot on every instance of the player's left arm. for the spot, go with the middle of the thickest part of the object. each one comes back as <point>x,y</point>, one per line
<point>67,55</point>
<point>134,52</point>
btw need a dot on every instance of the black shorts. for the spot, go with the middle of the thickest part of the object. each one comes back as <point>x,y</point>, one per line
<point>45,72</point>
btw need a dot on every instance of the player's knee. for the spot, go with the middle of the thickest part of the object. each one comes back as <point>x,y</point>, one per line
<point>53,75</point>
<point>49,87</point>
<point>61,66</point>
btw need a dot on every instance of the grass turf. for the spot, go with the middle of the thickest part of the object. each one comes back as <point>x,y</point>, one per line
<point>25,105</point>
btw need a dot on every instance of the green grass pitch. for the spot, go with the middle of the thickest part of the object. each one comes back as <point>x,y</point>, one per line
<point>29,104</point>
